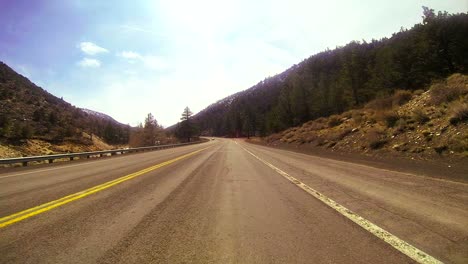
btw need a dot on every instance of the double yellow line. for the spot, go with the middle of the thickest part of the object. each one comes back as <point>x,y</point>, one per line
<point>11,219</point>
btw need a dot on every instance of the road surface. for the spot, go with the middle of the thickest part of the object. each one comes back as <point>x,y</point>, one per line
<point>225,201</point>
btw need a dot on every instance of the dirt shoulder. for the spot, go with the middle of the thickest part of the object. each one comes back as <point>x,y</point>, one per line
<point>454,169</point>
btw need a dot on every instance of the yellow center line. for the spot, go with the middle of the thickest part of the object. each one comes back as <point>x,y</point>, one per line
<point>16,217</point>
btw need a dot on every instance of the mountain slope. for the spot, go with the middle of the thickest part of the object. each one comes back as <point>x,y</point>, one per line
<point>29,112</point>
<point>422,124</point>
<point>348,77</point>
<point>99,115</point>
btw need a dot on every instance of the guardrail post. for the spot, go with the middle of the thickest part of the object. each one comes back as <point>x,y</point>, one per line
<point>71,158</point>
<point>51,160</point>
<point>25,163</point>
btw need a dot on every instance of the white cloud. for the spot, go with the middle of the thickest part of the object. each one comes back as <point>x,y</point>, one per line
<point>149,61</point>
<point>130,28</point>
<point>89,63</point>
<point>129,55</point>
<point>91,48</point>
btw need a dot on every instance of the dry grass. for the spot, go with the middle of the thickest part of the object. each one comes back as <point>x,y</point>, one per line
<point>316,126</point>
<point>400,97</point>
<point>389,118</point>
<point>458,143</point>
<point>451,89</point>
<point>334,121</point>
<point>357,117</point>
<point>400,126</point>
<point>459,113</point>
<point>310,137</point>
<point>420,116</point>
<point>376,139</point>
<point>440,149</point>
<point>338,135</point>
<point>380,104</point>
<point>418,92</point>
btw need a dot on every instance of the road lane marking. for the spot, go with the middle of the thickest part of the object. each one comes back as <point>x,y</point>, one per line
<point>16,217</point>
<point>407,174</point>
<point>397,243</point>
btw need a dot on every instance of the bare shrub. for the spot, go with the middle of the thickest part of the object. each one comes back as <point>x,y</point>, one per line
<point>357,118</point>
<point>273,138</point>
<point>338,135</point>
<point>380,103</point>
<point>348,114</point>
<point>420,116</point>
<point>334,121</point>
<point>344,133</point>
<point>440,149</point>
<point>459,113</point>
<point>301,140</point>
<point>376,139</point>
<point>388,117</point>
<point>418,92</point>
<point>320,120</point>
<point>401,97</point>
<point>447,91</point>
<point>316,126</point>
<point>400,126</point>
<point>458,143</point>
<point>310,137</point>
<point>321,141</point>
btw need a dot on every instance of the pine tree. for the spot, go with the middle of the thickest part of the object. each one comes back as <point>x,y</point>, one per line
<point>186,128</point>
<point>150,130</point>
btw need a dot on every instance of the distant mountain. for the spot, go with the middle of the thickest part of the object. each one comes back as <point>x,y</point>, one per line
<point>99,115</point>
<point>226,115</point>
<point>28,111</point>
<point>345,78</point>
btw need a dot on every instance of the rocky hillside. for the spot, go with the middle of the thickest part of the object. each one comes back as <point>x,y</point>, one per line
<point>38,147</point>
<point>421,124</point>
<point>31,115</point>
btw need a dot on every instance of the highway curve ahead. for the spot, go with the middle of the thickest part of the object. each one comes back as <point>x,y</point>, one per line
<point>227,201</point>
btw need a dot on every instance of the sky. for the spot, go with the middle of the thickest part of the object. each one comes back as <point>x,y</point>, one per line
<point>130,58</point>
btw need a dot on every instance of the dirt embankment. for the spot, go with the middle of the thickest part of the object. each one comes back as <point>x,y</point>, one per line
<point>37,147</point>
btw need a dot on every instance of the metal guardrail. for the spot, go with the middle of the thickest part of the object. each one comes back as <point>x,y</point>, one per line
<point>71,156</point>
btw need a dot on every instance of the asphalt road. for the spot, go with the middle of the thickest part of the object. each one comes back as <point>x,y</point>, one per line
<point>225,201</point>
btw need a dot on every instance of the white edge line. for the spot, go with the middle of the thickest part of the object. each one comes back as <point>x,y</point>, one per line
<point>397,243</point>
<point>366,166</point>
